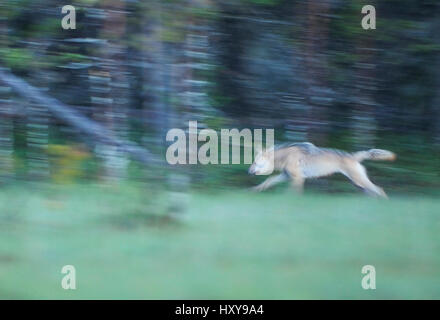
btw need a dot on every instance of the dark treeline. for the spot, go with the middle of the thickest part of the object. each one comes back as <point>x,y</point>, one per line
<point>140,68</point>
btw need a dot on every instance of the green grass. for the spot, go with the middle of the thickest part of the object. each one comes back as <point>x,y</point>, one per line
<point>226,245</point>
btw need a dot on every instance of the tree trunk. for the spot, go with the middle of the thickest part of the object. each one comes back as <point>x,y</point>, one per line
<point>364,124</point>
<point>319,95</point>
<point>436,103</point>
<point>193,91</point>
<point>37,134</point>
<point>6,135</point>
<point>109,89</point>
<point>6,123</point>
<point>161,114</point>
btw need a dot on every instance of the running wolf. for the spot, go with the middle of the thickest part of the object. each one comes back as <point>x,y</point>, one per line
<point>299,161</point>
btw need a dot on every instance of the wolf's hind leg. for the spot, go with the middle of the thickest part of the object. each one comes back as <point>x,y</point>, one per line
<point>271,181</point>
<point>298,184</point>
<point>358,175</point>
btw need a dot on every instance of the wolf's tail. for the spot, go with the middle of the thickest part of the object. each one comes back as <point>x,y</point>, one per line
<point>374,154</point>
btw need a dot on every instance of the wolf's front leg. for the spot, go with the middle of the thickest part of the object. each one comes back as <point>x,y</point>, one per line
<point>269,182</point>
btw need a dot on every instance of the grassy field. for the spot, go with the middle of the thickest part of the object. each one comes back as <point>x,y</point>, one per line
<point>226,245</point>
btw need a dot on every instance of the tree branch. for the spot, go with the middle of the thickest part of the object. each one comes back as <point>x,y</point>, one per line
<point>75,118</point>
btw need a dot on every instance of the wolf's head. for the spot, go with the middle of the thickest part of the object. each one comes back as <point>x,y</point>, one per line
<point>263,163</point>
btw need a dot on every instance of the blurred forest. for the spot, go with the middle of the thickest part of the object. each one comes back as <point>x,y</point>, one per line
<point>139,68</point>
<point>95,190</point>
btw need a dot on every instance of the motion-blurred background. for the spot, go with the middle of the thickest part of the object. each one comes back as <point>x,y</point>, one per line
<point>149,230</point>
